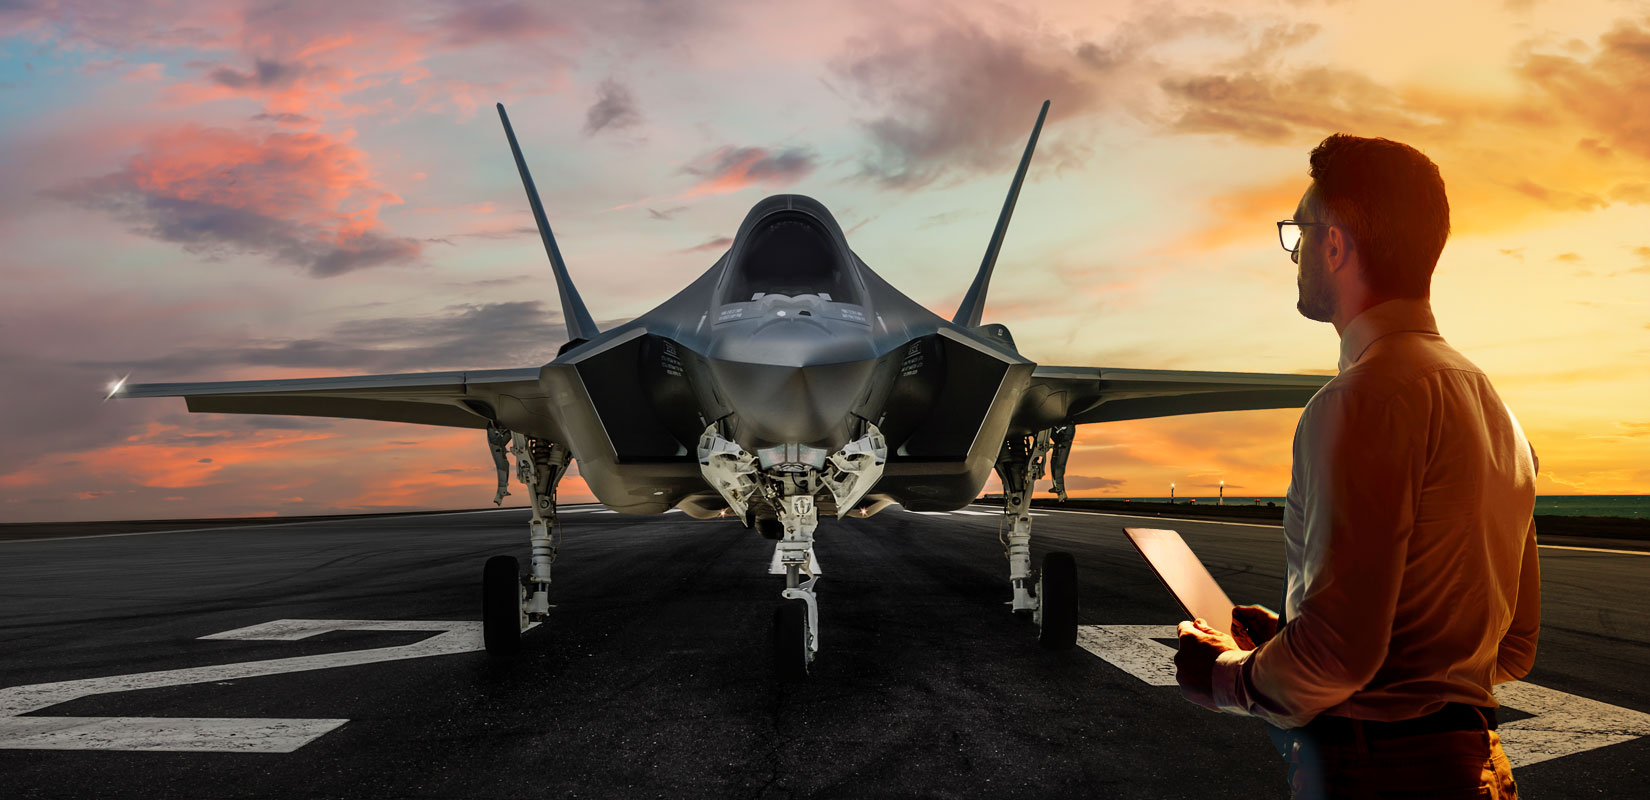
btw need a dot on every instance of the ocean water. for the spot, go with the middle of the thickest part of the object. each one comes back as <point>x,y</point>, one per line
<point>1631,506</point>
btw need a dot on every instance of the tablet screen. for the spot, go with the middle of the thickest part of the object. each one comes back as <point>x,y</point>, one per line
<point>1190,583</point>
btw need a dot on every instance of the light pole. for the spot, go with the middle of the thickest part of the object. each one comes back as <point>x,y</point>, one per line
<point>1222,500</point>
<point>1171,494</point>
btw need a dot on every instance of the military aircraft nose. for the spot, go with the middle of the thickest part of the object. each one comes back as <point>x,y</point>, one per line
<point>790,379</point>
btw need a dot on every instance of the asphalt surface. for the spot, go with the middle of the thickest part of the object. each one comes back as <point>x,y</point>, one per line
<point>652,677</point>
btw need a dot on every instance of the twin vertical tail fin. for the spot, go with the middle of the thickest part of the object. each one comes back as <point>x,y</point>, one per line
<point>579,324</point>
<point>973,304</point>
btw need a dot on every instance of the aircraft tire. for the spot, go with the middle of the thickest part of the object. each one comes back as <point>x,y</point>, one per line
<point>1058,595</point>
<point>501,606</point>
<point>790,640</point>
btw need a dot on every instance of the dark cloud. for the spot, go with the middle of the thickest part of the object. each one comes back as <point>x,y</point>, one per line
<point>203,461</point>
<point>665,215</point>
<point>284,118</point>
<point>1300,106</point>
<point>504,233</point>
<point>960,99</point>
<point>1632,192</point>
<point>217,215</point>
<point>732,168</point>
<point>614,109</point>
<point>1610,91</point>
<point>714,245</point>
<point>493,283</point>
<point>1594,148</point>
<point>265,74</point>
<point>1644,259</point>
<point>757,163</point>
<point>474,23</point>
<point>1559,199</point>
<point>943,218</point>
<point>1086,482</point>
<point>491,335</point>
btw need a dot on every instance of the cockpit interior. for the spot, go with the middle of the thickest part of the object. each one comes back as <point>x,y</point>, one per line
<point>791,254</point>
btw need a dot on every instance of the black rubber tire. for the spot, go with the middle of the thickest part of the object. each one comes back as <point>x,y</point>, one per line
<point>1059,602</point>
<point>501,605</point>
<point>790,640</point>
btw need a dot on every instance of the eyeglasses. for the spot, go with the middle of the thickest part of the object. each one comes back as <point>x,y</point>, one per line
<point>1289,234</point>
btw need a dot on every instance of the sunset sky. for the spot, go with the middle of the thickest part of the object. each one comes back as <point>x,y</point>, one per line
<point>233,190</point>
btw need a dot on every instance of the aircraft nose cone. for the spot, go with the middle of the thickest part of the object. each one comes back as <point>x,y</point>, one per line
<point>790,380</point>
<point>783,404</point>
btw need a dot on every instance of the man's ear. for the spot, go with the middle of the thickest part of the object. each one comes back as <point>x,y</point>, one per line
<point>1338,247</point>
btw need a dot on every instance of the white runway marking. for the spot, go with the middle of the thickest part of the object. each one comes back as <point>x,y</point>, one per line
<point>1593,549</point>
<point>220,735</point>
<point>1561,724</point>
<point>162,733</point>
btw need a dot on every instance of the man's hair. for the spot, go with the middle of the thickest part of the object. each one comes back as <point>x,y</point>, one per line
<point>1391,199</point>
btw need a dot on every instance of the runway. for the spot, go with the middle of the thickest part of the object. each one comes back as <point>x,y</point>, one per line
<point>651,679</point>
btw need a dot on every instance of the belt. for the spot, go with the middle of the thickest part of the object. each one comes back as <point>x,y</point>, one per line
<point>1326,729</point>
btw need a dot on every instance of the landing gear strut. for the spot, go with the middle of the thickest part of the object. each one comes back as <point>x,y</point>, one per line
<point>509,602</point>
<point>1054,605</point>
<point>786,479</point>
<point>794,644</point>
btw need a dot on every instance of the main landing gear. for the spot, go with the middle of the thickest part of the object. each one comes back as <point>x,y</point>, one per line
<point>1052,600</point>
<point>509,601</point>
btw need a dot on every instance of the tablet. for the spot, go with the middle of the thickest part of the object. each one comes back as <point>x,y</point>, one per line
<point>1185,576</point>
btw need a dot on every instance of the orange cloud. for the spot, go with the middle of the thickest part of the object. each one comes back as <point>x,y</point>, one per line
<point>1247,216</point>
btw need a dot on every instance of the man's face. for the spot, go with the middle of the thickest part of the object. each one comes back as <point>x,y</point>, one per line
<point>1317,292</point>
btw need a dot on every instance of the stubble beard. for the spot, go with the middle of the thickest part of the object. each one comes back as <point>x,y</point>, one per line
<point>1316,302</point>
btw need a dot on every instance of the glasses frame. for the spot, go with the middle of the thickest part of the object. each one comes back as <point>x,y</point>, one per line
<point>1294,252</point>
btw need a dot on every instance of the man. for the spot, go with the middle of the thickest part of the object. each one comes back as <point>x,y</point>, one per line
<point>1413,585</point>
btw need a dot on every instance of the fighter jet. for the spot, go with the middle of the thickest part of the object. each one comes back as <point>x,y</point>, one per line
<point>787,382</point>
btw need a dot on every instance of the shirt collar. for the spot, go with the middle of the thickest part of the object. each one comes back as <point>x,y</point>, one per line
<point>1401,314</point>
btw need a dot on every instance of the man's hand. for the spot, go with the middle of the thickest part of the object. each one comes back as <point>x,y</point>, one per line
<point>1194,664</point>
<point>1253,626</point>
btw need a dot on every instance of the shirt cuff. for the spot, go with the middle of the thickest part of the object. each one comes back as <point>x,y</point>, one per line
<point>1227,684</point>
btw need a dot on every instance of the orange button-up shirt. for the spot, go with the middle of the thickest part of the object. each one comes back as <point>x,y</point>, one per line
<point>1413,578</point>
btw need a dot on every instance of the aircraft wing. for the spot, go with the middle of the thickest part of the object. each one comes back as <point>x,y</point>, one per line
<point>1079,395</point>
<point>455,399</point>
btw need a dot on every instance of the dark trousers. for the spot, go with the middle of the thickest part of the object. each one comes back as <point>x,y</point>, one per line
<point>1442,765</point>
